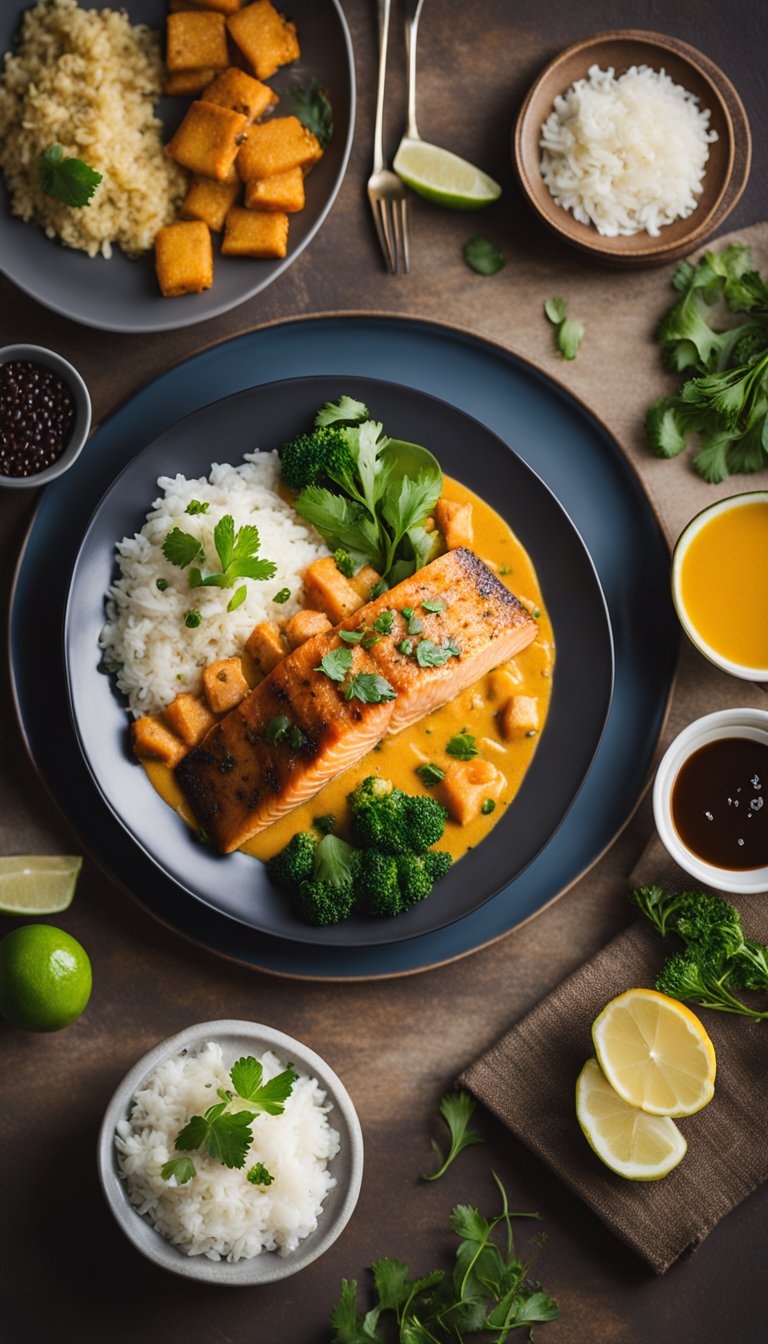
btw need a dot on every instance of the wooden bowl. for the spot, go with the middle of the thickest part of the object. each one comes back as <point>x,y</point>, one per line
<point>727,168</point>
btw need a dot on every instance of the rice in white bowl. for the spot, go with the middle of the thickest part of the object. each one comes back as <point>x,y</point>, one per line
<point>218,1213</point>
<point>145,639</point>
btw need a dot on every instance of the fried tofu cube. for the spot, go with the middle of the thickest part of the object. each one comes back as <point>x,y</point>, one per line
<point>151,740</point>
<point>265,645</point>
<point>186,82</point>
<point>208,140</point>
<point>304,625</point>
<point>194,40</point>
<point>519,717</point>
<point>284,191</point>
<point>455,523</point>
<point>255,233</point>
<point>189,718</point>
<point>209,201</point>
<point>183,258</point>
<point>275,146</point>
<point>328,590</point>
<point>466,786</point>
<point>364,580</point>
<point>224,684</point>
<point>241,93</point>
<point>265,38</point>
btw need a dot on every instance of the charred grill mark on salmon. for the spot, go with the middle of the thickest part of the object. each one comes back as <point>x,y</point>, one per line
<point>238,782</point>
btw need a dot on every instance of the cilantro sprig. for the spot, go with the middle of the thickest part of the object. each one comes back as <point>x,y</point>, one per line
<point>569,331</point>
<point>69,180</point>
<point>237,550</point>
<point>457,1109</point>
<point>312,106</point>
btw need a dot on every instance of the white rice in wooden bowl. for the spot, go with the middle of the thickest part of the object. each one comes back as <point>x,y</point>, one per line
<point>145,639</point>
<point>218,1213</point>
<point>87,79</point>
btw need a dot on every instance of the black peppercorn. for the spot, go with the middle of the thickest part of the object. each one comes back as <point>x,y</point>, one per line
<point>36,416</point>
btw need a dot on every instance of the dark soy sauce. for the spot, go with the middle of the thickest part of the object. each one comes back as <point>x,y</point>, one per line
<point>720,803</point>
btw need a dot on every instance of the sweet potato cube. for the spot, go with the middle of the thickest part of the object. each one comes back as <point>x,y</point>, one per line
<point>284,191</point>
<point>183,258</point>
<point>265,38</point>
<point>466,786</point>
<point>364,580</point>
<point>304,625</point>
<point>180,83</point>
<point>208,140</point>
<point>209,201</point>
<point>327,589</point>
<point>276,146</point>
<point>189,718</point>
<point>265,645</point>
<point>152,740</point>
<point>224,684</point>
<point>455,523</point>
<point>194,40</point>
<point>254,233</point>
<point>242,93</point>
<point>520,716</point>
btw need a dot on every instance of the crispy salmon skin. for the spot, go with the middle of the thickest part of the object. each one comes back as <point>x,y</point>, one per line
<point>238,780</point>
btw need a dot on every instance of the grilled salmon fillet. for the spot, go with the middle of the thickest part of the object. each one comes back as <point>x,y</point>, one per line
<point>238,781</point>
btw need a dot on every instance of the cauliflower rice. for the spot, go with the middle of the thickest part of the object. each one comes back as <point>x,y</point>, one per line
<point>145,640</point>
<point>87,79</point>
<point>218,1213</point>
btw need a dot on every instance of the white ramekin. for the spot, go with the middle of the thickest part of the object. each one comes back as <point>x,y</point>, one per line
<point>39,354</point>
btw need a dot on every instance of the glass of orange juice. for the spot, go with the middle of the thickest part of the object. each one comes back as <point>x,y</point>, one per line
<point>720,584</point>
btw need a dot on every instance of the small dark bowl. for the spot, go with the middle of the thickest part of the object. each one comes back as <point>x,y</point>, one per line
<point>729,156</point>
<point>78,435</point>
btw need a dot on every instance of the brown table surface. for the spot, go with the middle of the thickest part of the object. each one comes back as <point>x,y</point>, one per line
<point>68,1275</point>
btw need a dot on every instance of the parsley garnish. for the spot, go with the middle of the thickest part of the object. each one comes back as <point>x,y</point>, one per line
<point>429,654</point>
<point>383,622</point>
<point>192,619</point>
<point>69,180</point>
<point>569,331</point>
<point>405,647</point>
<point>195,506</point>
<point>415,625</point>
<point>237,552</point>
<point>483,256</point>
<point>181,548</point>
<point>370,688</point>
<point>430,774</point>
<point>312,106</point>
<point>179,1169</point>
<point>379,588</point>
<point>351,636</point>
<point>435,604</point>
<point>369,639</point>
<point>277,729</point>
<point>462,746</point>
<point>237,599</point>
<point>456,1108</point>
<point>282,596</point>
<point>258,1175</point>
<point>336,664</point>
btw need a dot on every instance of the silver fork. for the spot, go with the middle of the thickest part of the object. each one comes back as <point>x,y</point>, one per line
<point>386,193</point>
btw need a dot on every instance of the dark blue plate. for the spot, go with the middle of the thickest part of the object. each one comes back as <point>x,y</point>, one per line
<point>267,416</point>
<point>550,430</point>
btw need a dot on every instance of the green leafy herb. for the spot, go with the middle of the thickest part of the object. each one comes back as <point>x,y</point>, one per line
<point>369,639</point>
<point>237,551</point>
<point>370,688</point>
<point>483,256</point>
<point>569,331</point>
<point>429,654</point>
<point>192,619</point>
<point>462,746</point>
<point>325,824</point>
<point>312,106</point>
<point>277,729</point>
<point>224,1134</point>
<point>434,604</point>
<point>489,806</point>
<point>415,625</point>
<point>345,564</point>
<point>195,506</point>
<point>405,647</point>
<point>179,1169</point>
<point>345,411</point>
<point>258,1175</point>
<point>296,738</point>
<point>383,622</point>
<point>69,180</point>
<point>282,596</point>
<point>181,548</point>
<point>430,774</point>
<point>237,599</point>
<point>336,664</point>
<point>247,1076</point>
<point>162,584</point>
<point>351,636</point>
<point>457,1109</point>
<point>378,589</point>
<point>718,961</point>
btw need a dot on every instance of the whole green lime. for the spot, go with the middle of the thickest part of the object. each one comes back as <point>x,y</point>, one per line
<point>45,978</point>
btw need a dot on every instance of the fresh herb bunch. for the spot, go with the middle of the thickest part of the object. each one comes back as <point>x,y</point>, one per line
<point>224,1130</point>
<point>718,961</point>
<point>490,1289</point>
<point>457,1109</point>
<point>725,398</point>
<point>367,495</point>
<point>69,180</point>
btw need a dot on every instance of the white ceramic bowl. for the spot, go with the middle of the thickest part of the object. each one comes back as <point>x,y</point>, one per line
<point>751,723</point>
<point>238,1037</point>
<point>81,424</point>
<point>683,542</point>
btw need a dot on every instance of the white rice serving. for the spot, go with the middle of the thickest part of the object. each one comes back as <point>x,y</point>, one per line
<point>145,637</point>
<point>218,1213</point>
<point>626,154</point>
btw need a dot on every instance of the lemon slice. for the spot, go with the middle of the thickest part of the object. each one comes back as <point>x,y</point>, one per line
<point>37,884</point>
<point>637,1146</point>
<point>655,1053</point>
<point>443,177</point>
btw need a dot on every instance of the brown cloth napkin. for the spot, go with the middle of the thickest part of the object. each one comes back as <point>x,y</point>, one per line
<point>527,1079</point>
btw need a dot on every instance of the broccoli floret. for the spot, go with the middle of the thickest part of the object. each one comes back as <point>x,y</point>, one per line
<point>294,864</point>
<point>424,821</point>
<point>385,818</point>
<point>437,863</point>
<point>345,564</point>
<point>324,903</point>
<point>415,878</point>
<point>323,454</point>
<point>378,883</point>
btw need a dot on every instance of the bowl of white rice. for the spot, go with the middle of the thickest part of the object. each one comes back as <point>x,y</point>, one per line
<point>633,147</point>
<point>219,1226</point>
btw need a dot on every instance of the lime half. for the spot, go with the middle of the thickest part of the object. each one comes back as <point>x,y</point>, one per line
<point>635,1145</point>
<point>37,884</point>
<point>443,177</point>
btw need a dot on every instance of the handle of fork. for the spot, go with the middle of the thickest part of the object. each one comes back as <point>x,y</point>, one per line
<point>412,14</point>
<point>384,7</point>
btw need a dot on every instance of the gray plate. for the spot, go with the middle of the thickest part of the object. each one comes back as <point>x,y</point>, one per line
<point>122,295</point>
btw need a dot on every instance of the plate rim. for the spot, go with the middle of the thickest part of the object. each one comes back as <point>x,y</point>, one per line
<point>504,353</point>
<point>526,467</point>
<point>220,309</point>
